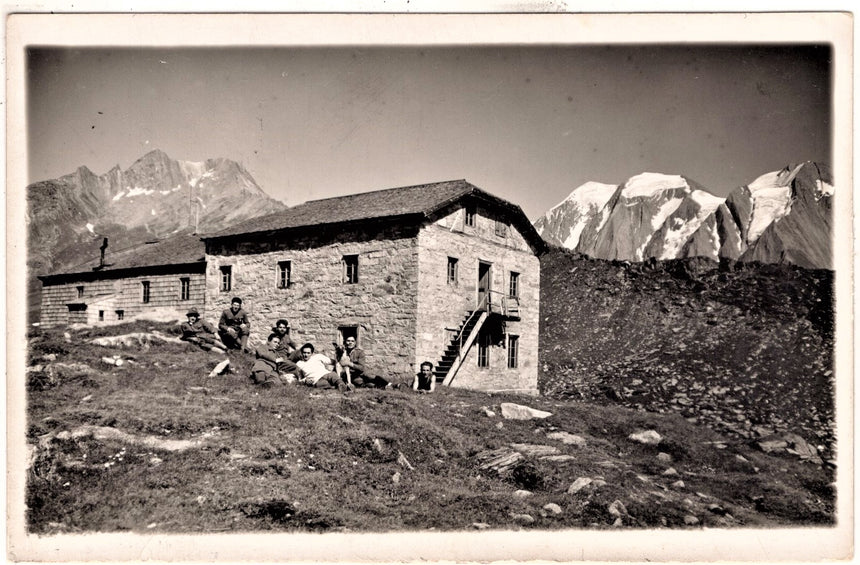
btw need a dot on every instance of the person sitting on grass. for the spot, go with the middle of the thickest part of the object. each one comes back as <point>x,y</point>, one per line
<point>287,350</point>
<point>353,362</point>
<point>425,381</point>
<point>315,369</point>
<point>200,333</point>
<point>265,369</point>
<point>234,327</point>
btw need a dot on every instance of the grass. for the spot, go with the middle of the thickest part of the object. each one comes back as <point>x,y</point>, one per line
<point>297,459</point>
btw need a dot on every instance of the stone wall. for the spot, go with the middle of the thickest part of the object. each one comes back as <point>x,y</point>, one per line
<point>443,306</point>
<point>382,304</point>
<point>120,293</point>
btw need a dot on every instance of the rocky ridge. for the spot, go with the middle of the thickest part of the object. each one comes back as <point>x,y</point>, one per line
<point>155,197</point>
<point>744,348</point>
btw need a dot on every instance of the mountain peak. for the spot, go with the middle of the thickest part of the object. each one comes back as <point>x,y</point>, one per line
<point>781,216</point>
<point>651,184</point>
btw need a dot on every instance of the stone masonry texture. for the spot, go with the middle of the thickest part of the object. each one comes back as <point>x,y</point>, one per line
<point>443,306</point>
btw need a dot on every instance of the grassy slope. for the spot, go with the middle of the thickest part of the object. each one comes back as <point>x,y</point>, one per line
<point>298,459</point>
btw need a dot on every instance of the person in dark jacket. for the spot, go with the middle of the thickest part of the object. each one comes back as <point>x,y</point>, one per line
<point>265,369</point>
<point>353,361</point>
<point>234,327</point>
<point>288,350</point>
<point>200,333</point>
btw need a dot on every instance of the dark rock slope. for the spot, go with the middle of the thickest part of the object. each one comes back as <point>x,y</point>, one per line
<point>745,348</point>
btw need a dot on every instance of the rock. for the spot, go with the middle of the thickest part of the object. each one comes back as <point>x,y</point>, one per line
<point>648,437</point>
<point>567,438</point>
<point>690,520</point>
<point>480,525</point>
<point>500,425</point>
<point>678,485</point>
<point>377,445</point>
<point>67,336</point>
<point>524,519</point>
<point>220,368</point>
<point>716,509</point>
<point>403,461</point>
<point>511,411</point>
<point>522,493</point>
<point>395,478</point>
<point>487,412</point>
<point>578,485</point>
<point>670,472</point>
<point>500,460</point>
<point>617,509</point>
<point>532,450</point>
<point>558,458</point>
<point>138,339</point>
<point>552,508</point>
<point>664,457</point>
<point>87,398</point>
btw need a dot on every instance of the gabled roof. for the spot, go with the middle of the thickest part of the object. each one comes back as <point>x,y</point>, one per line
<point>421,200</point>
<point>176,250</point>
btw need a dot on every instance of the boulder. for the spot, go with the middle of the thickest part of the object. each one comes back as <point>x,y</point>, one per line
<point>524,519</point>
<point>552,508</point>
<point>522,493</point>
<point>648,437</point>
<point>532,450</point>
<point>511,411</point>
<point>567,438</point>
<point>578,485</point>
<point>500,460</point>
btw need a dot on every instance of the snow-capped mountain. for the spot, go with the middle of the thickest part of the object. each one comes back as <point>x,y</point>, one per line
<point>783,216</point>
<point>155,197</point>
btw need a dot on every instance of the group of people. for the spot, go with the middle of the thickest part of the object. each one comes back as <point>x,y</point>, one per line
<point>281,361</point>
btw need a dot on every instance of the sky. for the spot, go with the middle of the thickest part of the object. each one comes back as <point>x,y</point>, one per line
<point>528,124</point>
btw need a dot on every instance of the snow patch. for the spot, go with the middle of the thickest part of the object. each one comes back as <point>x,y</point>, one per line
<point>90,228</point>
<point>823,189</point>
<point>572,240</point>
<point>666,209</point>
<point>652,184</point>
<point>119,195</point>
<point>137,191</point>
<point>680,231</point>
<point>152,212</point>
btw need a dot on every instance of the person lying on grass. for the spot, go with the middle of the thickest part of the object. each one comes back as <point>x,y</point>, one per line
<point>265,369</point>
<point>200,333</point>
<point>424,381</point>
<point>316,370</point>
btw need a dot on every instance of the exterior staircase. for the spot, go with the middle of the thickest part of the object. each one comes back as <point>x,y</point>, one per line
<point>446,369</point>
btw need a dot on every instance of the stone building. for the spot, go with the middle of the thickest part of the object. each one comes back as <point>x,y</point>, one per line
<point>443,272</point>
<point>162,277</point>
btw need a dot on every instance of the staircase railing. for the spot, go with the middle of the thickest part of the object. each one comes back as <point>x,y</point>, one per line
<point>497,302</point>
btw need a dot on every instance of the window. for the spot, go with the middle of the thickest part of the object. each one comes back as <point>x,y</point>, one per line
<point>101,315</point>
<point>80,292</point>
<point>514,286</point>
<point>347,331</point>
<point>184,288</point>
<point>513,351</point>
<point>226,278</point>
<point>470,216</point>
<point>284,273</point>
<point>145,287</point>
<point>484,350</point>
<point>452,270</point>
<point>120,314</point>
<point>501,228</point>
<point>350,269</point>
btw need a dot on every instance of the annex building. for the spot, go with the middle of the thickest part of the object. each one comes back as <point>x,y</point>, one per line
<point>442,272</point>
<point>163,276</point>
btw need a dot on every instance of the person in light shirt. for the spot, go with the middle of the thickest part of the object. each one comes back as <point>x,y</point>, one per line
<point>315,369</point>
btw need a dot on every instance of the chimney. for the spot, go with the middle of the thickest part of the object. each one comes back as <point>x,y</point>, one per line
<point>102,257</point>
